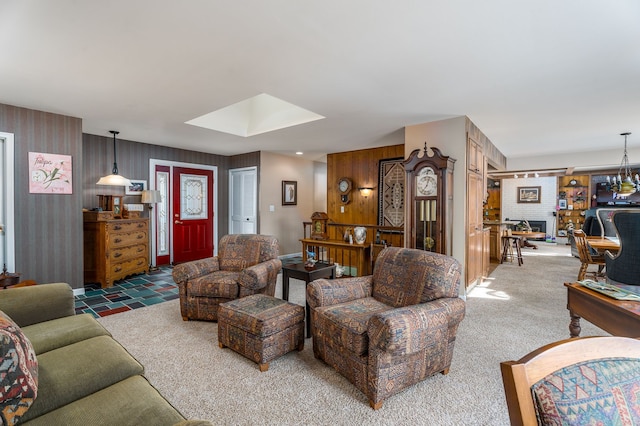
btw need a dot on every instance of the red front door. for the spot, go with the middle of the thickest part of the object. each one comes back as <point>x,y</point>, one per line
<point>192,214</point>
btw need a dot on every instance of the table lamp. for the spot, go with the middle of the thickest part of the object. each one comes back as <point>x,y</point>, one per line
<point>151,197</point>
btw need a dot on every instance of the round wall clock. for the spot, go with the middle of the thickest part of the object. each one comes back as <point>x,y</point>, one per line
<point>573,182</point>
<point>344,188</point>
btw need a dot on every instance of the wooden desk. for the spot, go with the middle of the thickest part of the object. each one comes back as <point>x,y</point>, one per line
<point>351,255</point>
<point>618,317</point>
<point>601,244</point>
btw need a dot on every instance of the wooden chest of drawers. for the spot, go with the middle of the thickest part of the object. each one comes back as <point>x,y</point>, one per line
<point>114,248</point>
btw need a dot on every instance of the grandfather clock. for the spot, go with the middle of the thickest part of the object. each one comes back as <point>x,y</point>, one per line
<point>429,215</point>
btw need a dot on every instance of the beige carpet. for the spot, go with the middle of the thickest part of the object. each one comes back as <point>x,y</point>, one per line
<point>513,312</point>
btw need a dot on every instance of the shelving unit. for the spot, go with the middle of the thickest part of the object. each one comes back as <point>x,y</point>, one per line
<point>573,200</point>
<point>492,207</point>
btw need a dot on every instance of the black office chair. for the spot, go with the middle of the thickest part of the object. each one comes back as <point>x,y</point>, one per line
<point>624,267</point>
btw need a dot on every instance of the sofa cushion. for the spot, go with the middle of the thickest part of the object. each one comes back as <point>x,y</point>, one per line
<point>603,391</point>
<point>74,371</point>
<point>223,284</point>
<point>18,372</point>
<point>38,303</point>
<point>239,251</point>
<point>408,277</point>
<point>345,324</point>
<point>132,401</point>
<point>49,335</point>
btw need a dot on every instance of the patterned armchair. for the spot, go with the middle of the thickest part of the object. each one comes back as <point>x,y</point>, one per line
<point>387,331</point>
<point>246,264</point>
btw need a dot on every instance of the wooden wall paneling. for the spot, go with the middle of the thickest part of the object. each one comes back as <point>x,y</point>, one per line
<point>361,167</point>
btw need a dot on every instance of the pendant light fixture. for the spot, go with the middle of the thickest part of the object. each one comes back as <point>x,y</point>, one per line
<point>114,179</point>
<point>624,184</point>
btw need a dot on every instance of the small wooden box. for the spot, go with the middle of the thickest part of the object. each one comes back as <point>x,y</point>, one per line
<point>97,216</point>
<point>128,214</point>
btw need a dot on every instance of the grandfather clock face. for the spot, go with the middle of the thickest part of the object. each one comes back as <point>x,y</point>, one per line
<point>426,183</point>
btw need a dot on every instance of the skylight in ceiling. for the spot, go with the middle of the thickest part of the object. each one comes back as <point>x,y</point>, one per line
<point>259,114</point>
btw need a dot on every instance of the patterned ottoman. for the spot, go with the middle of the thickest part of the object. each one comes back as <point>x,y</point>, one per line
<point>261,328</point>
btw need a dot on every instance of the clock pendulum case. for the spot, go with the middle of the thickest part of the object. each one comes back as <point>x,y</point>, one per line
<point>429,200</point>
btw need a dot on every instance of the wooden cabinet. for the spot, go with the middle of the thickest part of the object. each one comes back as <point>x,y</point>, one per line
<point>476,192</point>
<point>114,248</point>
<point>573,201</point>
<point>475,157</point>
<point>495,239</point>
<point>493,204</point>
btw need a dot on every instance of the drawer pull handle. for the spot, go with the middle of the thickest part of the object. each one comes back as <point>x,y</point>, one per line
<point>118,269</point>
<point>117,255</point>
<point>117,240</point>
<point>140,225</point>
<point>140,236</point>
<point>140,249</point>
<point>117,227</point>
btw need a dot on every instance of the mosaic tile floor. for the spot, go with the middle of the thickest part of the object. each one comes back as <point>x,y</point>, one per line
<point>135,292</point>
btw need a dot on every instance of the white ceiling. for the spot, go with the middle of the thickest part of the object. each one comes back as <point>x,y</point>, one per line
<point>539,76</point>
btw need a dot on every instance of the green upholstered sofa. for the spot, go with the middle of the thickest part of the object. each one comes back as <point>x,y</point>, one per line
<point>83,375</point>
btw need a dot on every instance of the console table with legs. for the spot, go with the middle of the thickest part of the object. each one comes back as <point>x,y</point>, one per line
<point>354,255</point>
<point>618,317</point>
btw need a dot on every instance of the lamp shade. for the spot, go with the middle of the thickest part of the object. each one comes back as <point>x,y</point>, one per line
<point>365,191</point>
<point>151,197</point>
<point>114,180</point>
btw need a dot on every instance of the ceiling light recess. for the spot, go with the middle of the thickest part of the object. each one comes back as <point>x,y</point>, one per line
<point>259,114</point>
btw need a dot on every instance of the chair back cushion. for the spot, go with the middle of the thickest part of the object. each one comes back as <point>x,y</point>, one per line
<point>404,276</point>
<point>625,267</point>
<point>239,251</point>
<point>603,392</point>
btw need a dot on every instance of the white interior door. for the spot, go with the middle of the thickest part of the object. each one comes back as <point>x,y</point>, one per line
<point>243,200</point>
<point>7,235</point>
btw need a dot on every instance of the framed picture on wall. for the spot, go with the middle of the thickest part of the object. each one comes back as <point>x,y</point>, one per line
<point>289,192</point>
<point>529,194</point>
<point>562,204</point>
<point>136,187</point>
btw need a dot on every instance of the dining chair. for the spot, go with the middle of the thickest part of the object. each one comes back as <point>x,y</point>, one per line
<point>584,380</point>
<point>587,257</point>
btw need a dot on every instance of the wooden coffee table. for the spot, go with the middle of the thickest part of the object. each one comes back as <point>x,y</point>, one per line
<point>618,317</point>
<point>298,271</point>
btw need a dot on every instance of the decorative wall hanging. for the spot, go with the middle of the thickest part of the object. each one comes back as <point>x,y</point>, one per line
<point>391,182</point>
<point>136,187</point>
<point>50,173</point>
<point>289,192</point>
<point>528,194</point>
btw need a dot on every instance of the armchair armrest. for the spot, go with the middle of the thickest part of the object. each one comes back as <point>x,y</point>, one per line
<point>325,292</point>
<point>410,329</point>
<point>258,276</point>
<point>37,303</point>
<point>189,270</point>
